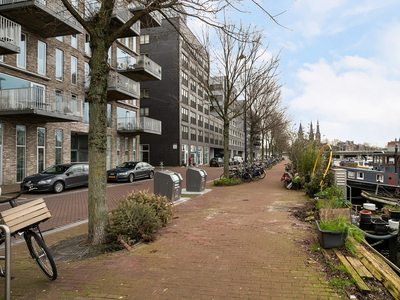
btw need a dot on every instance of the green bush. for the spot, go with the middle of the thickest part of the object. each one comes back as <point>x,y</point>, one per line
<point>133,221</point>
<point>163,208</point>
<point>227,182</point>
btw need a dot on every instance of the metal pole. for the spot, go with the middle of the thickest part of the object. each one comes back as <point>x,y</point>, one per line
<point>245,112</point>
<point>7,258</point>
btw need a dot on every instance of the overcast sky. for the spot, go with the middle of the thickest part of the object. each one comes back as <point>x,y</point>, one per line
<point>340,65</point>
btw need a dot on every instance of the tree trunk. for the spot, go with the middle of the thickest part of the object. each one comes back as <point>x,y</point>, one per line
<point>226,148</point>
<point>251,142</point>
<point>97,142</point>
<point>262,147</point>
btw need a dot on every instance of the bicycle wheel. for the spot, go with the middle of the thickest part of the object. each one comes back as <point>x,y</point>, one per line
<point>41,254</point>
<point>263,173</point>
<point>246,177</point>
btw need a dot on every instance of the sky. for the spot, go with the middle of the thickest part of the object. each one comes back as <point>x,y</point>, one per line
<point>340,65</point>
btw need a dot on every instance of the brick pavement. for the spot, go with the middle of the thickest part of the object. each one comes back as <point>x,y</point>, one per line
<point>232,243</point>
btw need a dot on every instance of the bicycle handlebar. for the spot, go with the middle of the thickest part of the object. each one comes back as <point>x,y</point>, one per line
<point>17,196</point>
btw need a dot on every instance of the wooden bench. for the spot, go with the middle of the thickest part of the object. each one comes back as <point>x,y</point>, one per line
<point>25,215</point>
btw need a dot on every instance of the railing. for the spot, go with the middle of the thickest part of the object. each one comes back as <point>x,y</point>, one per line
<point>116,80</point>
<point>10,32</point>
<point>143,124</point>
<point>119,81</point>
<point>40,99</point>
<point>126,15</point>
<point>56,6</point>
<point>149,65</point>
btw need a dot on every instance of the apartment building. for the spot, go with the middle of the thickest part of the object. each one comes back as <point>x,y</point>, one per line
<point>179,100</point>
<point>44,78</point>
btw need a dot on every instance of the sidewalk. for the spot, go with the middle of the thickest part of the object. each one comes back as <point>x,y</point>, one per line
<point>232,243</point>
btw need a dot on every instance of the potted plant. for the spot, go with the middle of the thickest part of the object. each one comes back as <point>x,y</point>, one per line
<point>394,211</point>
<point>296,183</point>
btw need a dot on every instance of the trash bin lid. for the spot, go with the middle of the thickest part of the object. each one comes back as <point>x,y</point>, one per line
<point>175,178</point>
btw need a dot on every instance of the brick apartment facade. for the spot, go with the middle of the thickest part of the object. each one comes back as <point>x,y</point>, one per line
<point>43,113</point>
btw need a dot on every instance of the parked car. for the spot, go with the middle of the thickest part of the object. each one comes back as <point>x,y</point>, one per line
<point>238,160</point>
<point>130,170</point>
<point>216,162</point>
<point>58,177</point>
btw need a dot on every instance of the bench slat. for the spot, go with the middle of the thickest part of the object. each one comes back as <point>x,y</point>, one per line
<point>30,222</point>
<point>26,217</point>
<point>28,211</point>
<point>21,207</point>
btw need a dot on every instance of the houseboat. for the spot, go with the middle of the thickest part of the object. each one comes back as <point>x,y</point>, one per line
<point>382,178</point>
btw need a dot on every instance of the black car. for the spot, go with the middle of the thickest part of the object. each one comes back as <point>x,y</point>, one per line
<point>216,162</point>
<point>58,177</point>
<point>130,170</point>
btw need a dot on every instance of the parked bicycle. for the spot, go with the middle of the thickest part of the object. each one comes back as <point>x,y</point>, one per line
<point>28,228</point>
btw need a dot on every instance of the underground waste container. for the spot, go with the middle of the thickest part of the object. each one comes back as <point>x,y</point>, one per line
<point>195,180</point>
<point>169,184</point>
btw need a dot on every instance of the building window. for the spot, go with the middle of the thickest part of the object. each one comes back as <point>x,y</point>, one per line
<point>206,137</point>
<point>192,118</point>
<point>206,120</point>
<point>134,149</point>
<point>108,152</point>
<point>109,115</point>
<point>74,41</point>
<point>21,152</point>
<point>185,132</point>
<point>59,64</point>
<point>86,112</point>
<point>87,44</point>
<point>192,134</point>
<point>200,137</point>
<point>58,145</point>
<point>21,57</point>
<point>192,101</point>
<point>134,46</point>
<point>144,111</point>
<point>193,85</point>
<point>185,116</point>
<point>185,96</point>
<point>144,39</point>
<point>200,121</point>
<point>41,58</point>
<point>118,150</point>
<point>40,149</point>
<point>185,59</point>
<point>60,38</point>
<point>145,153</point>
<point>74,70</point>
<point>184,78</point>
<point>144,93</point>
<point>126,149</point>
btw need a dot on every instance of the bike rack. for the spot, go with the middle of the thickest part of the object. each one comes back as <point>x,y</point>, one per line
<point>7,258</point>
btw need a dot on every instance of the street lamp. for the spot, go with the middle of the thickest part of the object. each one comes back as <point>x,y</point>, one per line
<point>245,108</point>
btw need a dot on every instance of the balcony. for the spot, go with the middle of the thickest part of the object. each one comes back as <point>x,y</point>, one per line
<point>10,37</point>
<point>153,19</point>
<point>119,87</point>
<point>48,18</point>
<point>142,70</point>
<point>142,125</point>
<point>37,104</point>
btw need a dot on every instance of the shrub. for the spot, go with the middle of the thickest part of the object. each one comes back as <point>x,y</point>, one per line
<point>163,208</point>
<point>227,182</point>
<point>133,221</point>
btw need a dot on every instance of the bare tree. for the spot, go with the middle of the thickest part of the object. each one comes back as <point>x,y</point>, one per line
<point>239,67</point>
<point>96,18</point>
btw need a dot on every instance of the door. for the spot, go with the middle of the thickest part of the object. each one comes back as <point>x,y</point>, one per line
<point>76,177</point>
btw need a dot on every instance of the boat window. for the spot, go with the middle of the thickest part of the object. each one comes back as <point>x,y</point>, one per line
<point>390,160</point>
<point>350,174</point>
<point>360,175</point>
<point>379,177</point>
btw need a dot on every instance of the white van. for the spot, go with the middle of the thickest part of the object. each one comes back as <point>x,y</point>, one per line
<point>238,160</point>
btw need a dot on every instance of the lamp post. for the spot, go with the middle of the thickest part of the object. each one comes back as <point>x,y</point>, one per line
<point>395,158</point>
<point>245,108</point>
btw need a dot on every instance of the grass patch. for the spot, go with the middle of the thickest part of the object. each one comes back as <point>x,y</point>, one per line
<point>227,182</point>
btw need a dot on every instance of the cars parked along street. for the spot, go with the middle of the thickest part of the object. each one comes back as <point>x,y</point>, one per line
<point>130,170</point>
<point>216,162</point>
<point>58,177</point>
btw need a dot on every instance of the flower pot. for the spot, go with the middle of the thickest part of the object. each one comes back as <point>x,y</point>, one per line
<point>331,239</point>
<point>395,214</point>
<point>394,224</point>
<point>296,186</point>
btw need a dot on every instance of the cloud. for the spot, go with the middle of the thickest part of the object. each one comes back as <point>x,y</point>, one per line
<point>352,95</point>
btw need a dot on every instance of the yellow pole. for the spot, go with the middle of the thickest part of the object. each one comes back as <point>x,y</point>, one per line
<point>329,163</point>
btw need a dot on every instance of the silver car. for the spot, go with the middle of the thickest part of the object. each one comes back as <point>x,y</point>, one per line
<point>130,170</point>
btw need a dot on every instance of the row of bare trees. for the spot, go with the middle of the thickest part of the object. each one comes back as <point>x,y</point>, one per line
<point>96,16</point>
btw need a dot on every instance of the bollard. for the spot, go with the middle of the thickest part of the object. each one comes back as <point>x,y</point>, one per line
<point>161,165</point>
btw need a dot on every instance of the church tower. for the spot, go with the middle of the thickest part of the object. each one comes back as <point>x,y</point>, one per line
<point>318,134</point>
<point>311,134</point>
<point>300,134</point>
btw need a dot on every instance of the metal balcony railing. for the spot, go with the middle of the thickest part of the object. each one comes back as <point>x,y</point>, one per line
<point>139,125</point>
<point>39,99</point>
<point>149,65</point>
<point>10,32</point>
<point>120,83</point>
